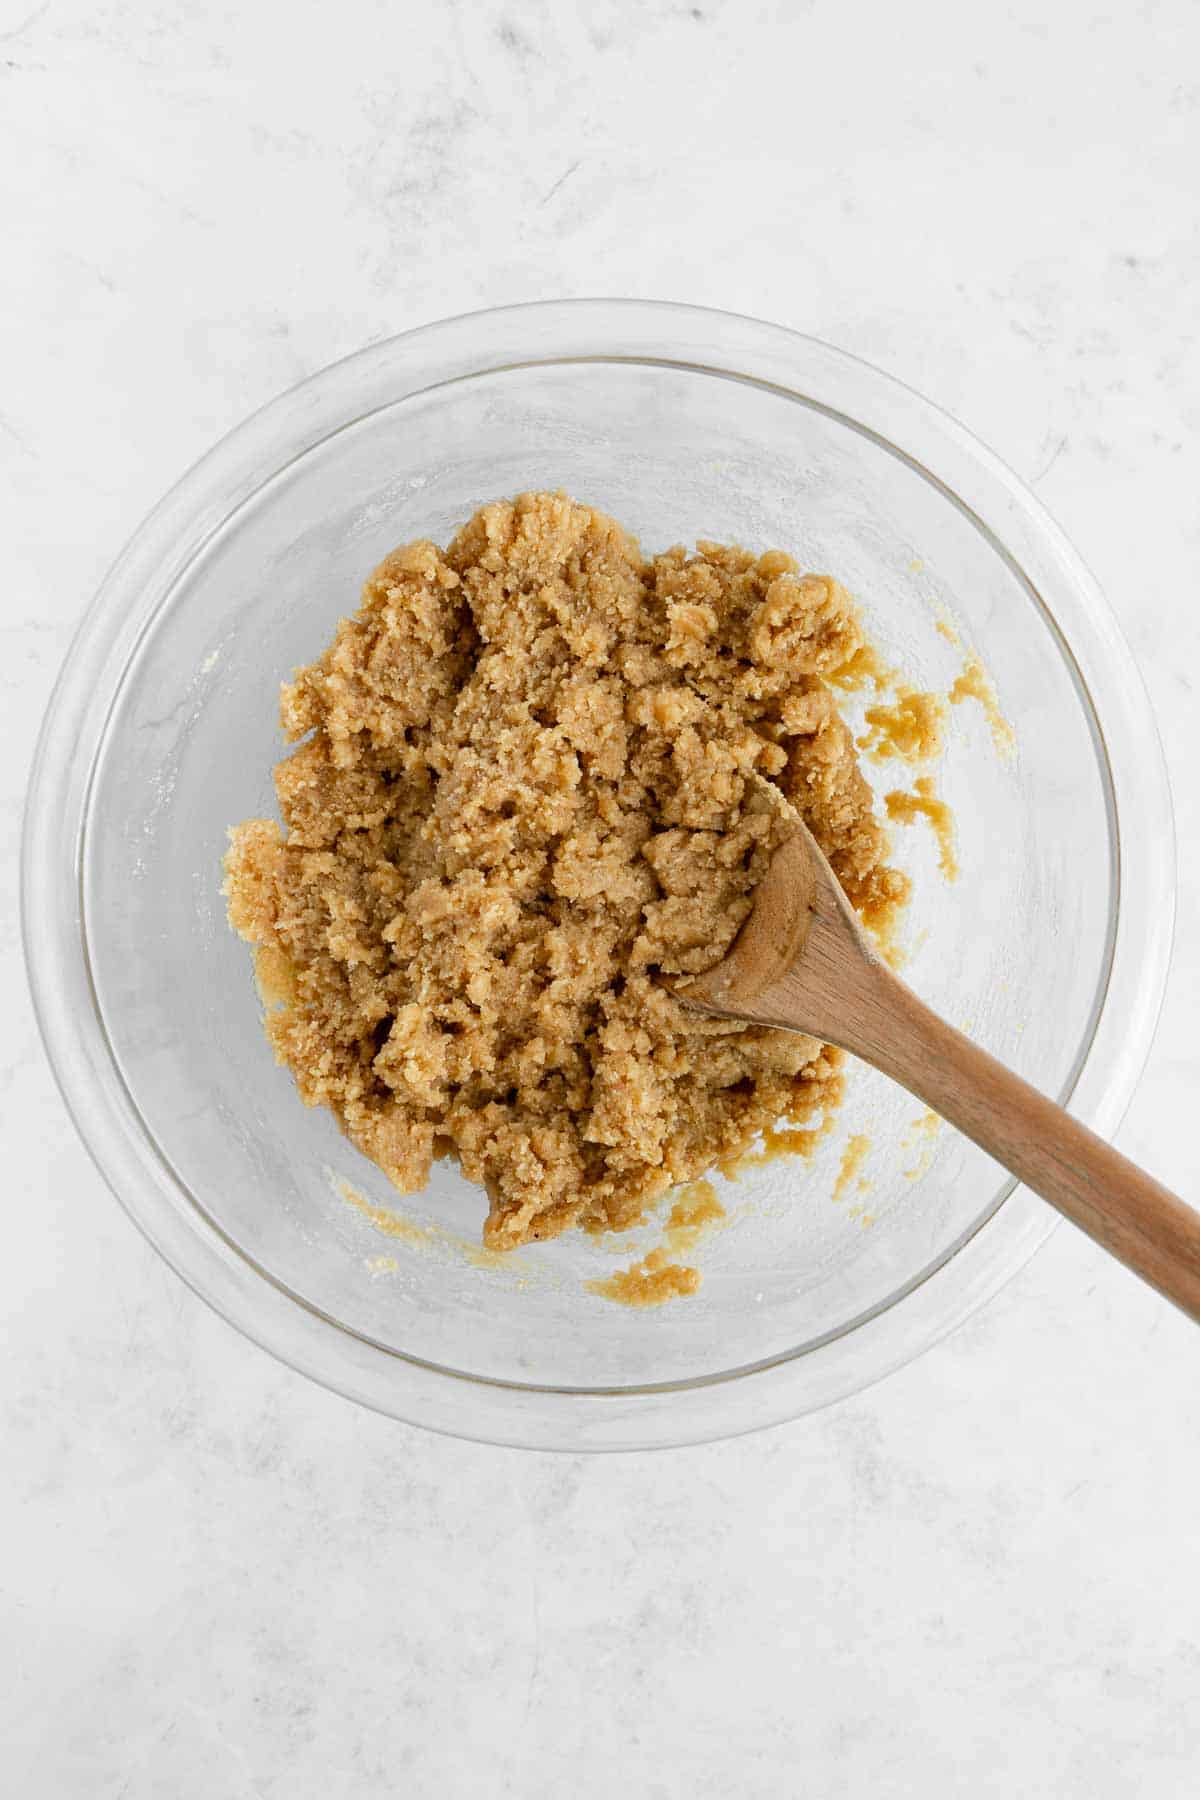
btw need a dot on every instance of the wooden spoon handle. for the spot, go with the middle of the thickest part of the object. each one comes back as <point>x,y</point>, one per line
<point>1150,1229</point>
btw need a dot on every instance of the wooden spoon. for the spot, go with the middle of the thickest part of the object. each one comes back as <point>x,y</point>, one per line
<point>802,961</point>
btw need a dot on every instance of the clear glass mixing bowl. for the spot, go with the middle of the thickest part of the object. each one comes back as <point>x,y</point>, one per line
<point>1051,949</point>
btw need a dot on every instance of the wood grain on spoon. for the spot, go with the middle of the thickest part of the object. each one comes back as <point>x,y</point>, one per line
<point>803,962</point>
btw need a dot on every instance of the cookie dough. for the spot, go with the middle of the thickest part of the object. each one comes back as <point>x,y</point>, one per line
<point>520,797</point>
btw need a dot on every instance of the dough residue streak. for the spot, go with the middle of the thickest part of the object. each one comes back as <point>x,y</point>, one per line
<point>976,684</point>
<point>925,804</point>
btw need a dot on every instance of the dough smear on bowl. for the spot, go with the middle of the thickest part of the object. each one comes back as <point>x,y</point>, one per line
<point>520,795</point>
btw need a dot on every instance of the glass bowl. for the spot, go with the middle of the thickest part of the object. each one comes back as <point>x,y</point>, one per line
<point>1051,949</point>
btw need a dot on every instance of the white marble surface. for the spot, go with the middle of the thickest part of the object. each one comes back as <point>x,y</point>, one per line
<point>216,1580</point>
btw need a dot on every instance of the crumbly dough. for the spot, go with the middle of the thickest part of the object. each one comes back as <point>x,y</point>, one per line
<point>654,1279</point>
<point>911,728</point>
<point>521,797</point>
<point>650,1282</point>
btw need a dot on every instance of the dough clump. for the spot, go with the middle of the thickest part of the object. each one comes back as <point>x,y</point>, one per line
<point>523,791</point>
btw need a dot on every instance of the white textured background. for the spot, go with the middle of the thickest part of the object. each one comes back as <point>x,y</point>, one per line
<point>982,1577</point>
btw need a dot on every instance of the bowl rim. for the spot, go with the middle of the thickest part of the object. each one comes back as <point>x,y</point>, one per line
<point>418,361</point>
